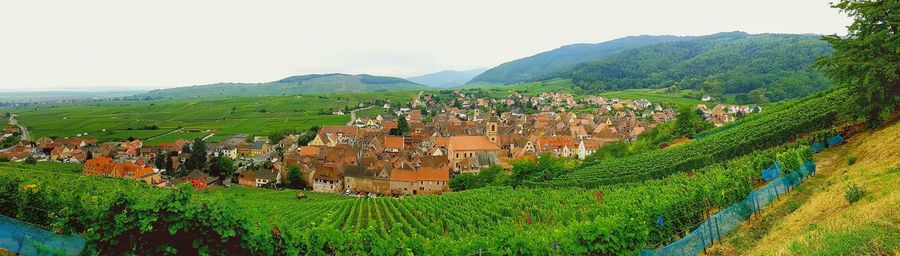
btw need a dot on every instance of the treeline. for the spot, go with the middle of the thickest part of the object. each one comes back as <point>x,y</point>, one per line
<point>774,66</point>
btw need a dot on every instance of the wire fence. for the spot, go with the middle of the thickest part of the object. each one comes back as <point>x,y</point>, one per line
<point>26,239</point>
<point>729,219</point>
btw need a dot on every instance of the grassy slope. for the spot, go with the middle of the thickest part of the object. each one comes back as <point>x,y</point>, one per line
<point>816,219</point>
<point>529,89</point>
<point>282,112</point>
<point>654,95</point>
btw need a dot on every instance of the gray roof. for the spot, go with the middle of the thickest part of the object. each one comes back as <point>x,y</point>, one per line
<point>258,144</point>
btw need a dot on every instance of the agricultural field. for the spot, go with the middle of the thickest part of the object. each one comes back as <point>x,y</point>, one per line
<point>224,117</point>
<point>496,220</point>
<point>529,89</point>
<point>656,95</point>
<point>683,97</point>
<point>763,130</point>
<point>817,218</point>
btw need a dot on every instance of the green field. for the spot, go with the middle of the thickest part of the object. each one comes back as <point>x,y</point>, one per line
<point>528,89</point>
<point>566,86</point>
<point>655,95</point>
<point>225,117</point>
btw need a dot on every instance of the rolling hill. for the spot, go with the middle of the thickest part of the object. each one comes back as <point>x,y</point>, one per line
<point>778,63</point>
<point>550,62</point>
<point>447,78</point>
<point>313,83</point>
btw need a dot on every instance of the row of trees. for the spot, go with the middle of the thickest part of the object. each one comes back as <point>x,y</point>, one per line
<point>197,159</point>
<point>543,168</point>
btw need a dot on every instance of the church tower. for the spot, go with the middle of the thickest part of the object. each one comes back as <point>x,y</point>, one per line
<point>492,127</point>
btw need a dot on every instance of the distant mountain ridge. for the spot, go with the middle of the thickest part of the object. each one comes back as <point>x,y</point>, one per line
<point>311,83</point>
<point>550,62</point>
<point>777,64</point>
<point>447,78</point>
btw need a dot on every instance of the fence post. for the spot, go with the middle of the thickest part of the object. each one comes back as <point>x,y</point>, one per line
<point>702,239</point>
<point>718,232</point>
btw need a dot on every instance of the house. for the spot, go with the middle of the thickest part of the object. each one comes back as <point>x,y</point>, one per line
<point>132,148</point>
<point>393,144</point>
<point>463,149</point>
<point>259,148</point>
<point>197,179</point>
<point>247,178</point>
<point>372,180</point>
<point>587,147</point>
<point>425,180</point>
<point>267,178</point>
<point>560,146</point>
<point>137,170</point>
<point>327,178</point>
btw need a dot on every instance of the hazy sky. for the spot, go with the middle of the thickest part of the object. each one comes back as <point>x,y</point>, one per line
<point>159,44</point>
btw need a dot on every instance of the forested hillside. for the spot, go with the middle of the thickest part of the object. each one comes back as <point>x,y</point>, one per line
<point>760,68</point>
<point>550,62</point>
<point>314,83</point>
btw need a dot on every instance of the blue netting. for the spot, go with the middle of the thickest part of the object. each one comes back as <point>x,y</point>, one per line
<point>837,139</point>
<point>25,239</point>
<point>771,173</point>
<point>727,220</point>
<point>817,147</point>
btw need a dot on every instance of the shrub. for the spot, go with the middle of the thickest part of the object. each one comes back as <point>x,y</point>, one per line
<point>30,160</point>
<point>793,205</point>
<point>851,160</point>
<point>853,193</point>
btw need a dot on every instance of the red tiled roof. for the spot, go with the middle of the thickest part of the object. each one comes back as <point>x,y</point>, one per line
<point>393,142</point>
<point>471,143</point>
<point>423,174</point>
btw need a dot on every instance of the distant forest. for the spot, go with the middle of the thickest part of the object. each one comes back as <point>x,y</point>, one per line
<point>757,68</point>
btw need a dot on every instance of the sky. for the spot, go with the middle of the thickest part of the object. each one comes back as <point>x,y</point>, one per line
<point>136,45</point>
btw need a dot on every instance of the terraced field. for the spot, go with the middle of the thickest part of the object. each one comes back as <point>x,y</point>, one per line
<point>497,220</point>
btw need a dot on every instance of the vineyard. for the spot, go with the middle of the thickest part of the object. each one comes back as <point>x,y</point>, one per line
<point>762,131</point>
<point>119,216</point>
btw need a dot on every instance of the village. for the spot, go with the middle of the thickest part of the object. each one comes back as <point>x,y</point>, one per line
<point>406,149</point>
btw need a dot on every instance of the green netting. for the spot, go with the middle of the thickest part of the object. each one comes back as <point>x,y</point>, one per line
<point>727,220</point>
<point>26,239</point>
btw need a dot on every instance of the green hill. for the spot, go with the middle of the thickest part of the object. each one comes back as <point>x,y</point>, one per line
<point>780,64</point>
<point>550,62</point>
<point>313,83</point>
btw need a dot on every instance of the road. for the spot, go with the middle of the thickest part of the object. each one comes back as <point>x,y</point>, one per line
<point>353,114</point>
<point>22,130</point>
<point>164,134</point>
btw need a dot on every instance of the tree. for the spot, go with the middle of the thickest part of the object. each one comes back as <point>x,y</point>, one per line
<point>295,178</point>
<point>867,60</point>
<point>222,167</point>
<point>463,181</point>
<point>688,122</point>
<point>198,154</point>
<point>758,96</point>
<point>160,160</point>
<point>170,163</point>
<point>713,87</point>
<point>402,126</point>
